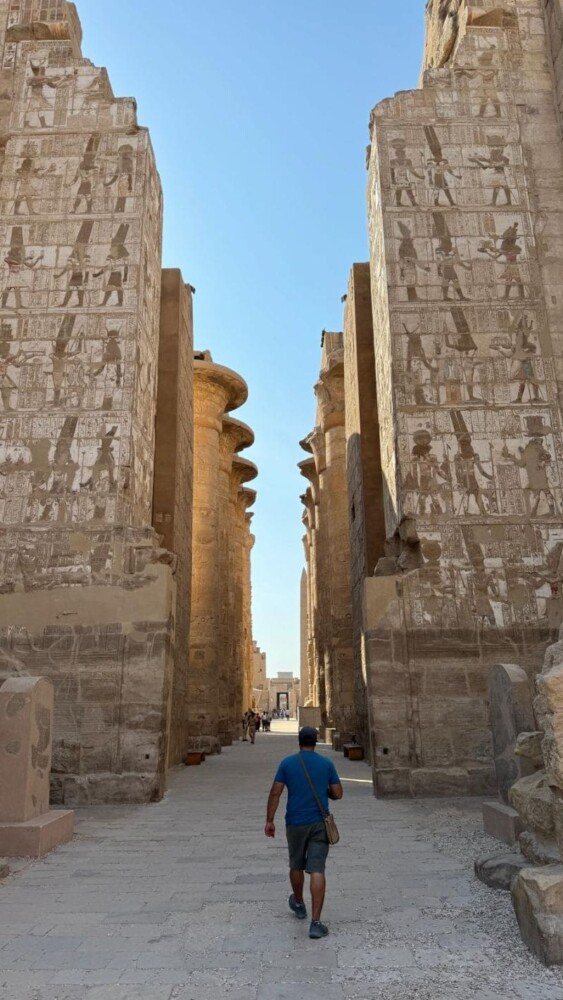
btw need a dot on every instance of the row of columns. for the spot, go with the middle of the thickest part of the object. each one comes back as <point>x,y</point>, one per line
<point>221,626</point>
<point>327,550</point>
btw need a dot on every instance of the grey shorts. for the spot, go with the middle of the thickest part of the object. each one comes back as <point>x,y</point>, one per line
<point>308,847</point>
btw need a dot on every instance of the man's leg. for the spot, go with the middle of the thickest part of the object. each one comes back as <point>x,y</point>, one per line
<point>297,879</point>
<point>318,887</point>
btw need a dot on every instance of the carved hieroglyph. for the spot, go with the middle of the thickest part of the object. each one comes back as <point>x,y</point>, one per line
<point>466,243</point>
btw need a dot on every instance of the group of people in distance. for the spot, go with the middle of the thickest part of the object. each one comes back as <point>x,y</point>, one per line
<point>251,723</point>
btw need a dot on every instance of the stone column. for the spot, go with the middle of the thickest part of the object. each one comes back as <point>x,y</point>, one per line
<point>216,391</point>
<point>234,437</point>
<point>320,611</point>
<point>333,485</point>
<point>242,471</point>
<point>248,498</point>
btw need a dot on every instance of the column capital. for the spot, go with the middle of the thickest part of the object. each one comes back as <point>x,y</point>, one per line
<point>317,442</point>
<point>242,471</point>
<point>217,390</point>
<point>235,436</point>
<point>329,391</point>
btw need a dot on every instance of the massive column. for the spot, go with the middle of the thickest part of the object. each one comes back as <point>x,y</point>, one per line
<point>173,479</point>
<point>86,597</point>
<point>466,262</point>
<point>304,633</point>
<point>333,581</point>
<point>363,465</point>
<point>242,471</point>
<point>235,436</point>
<point>217,390</point>
<point>318,603</point>
<point>248,498</point>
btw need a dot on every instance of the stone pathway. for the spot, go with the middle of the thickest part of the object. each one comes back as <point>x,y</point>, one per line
<point>187,900</point>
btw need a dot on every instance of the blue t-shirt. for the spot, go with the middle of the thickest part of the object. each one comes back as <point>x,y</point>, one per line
<point>302,807</point>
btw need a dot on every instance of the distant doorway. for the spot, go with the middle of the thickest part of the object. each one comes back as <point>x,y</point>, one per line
<point>282,701</point>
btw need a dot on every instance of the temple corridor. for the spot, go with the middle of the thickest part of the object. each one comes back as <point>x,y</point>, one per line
<point>187,899</point>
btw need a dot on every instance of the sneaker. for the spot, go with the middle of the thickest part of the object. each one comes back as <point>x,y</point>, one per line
<point>317,929</point>
<point>299,909</point>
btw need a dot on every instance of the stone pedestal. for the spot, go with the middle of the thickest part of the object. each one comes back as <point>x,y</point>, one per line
<point>27,827</point>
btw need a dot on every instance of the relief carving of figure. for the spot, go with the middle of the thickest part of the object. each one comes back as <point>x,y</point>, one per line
<point>510,250</point>
<point>26,189</point>
<point>123,177</point>
<point>39,105</point>
<point>116,268</point>
<point>467,462</point>
<point>403,173</point>
<point>409,264</point>
<point>497,162</point>
<point>18,262</point>
<point>427,476</point>
<point>535,459</point>
<point>521,350</point>
<point>439,169</point>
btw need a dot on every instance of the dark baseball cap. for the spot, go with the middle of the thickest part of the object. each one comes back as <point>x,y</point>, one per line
<point>308,736</point>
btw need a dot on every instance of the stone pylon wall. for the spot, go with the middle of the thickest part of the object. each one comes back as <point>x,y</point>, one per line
<point>466,232</point>
<point>80,234</point>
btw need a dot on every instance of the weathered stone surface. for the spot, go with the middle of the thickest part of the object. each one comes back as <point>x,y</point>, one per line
<point>173,478</point>
<point>550,711</point>
<point>464,229</point>
<point>529,746</point>
<point>26,732</point>
<point>221,556</point>
<point>511,711</point>
<point>86,593</point>
<point>328,547</point>
<point>499,870</point>
<point>533,800</point>
<point>538,851</point>
<point>363,463</point>
<point>37,837</point>
<point>502,822</point>
<point>537,895</point>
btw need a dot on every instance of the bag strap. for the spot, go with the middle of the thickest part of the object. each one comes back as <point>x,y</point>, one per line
<point>313,789</point>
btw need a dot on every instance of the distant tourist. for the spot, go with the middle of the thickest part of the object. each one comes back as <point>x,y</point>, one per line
<point>245,727</point>
<point>305,829</point>
<point>252,726</point>
<point>266,722</point>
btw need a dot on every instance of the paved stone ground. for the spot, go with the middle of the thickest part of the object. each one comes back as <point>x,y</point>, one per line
<point>187,900</point>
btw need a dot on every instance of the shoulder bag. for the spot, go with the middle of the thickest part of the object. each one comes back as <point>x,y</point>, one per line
<point>332,833</point>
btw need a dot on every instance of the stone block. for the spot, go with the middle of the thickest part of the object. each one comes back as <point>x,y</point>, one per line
<point>310,715</point>
<point>529,746</point>
<point>442,781</point>
<point>26,720</point>
<point>502,822</point>
<point>537,896</point>
<point>511,712</point>
<point>498,871</point>
<point>36,837</point>
<point>533,800</point>
<point>538,851</point>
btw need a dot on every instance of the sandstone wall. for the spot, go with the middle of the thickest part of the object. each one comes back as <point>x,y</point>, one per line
<point>466,232</point>
<point>173,478</point>
<point>84,599</point>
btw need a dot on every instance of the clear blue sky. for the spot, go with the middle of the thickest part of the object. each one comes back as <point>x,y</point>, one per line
<point>259,115</point>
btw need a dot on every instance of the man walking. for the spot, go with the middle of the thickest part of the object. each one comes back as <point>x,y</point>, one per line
<point>306,834</point>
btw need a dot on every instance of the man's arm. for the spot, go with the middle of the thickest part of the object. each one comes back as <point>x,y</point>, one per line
<point>335,792</point>
<point>271,809</point>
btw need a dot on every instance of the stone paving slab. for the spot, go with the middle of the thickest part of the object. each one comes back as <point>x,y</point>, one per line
<point>187,900</point>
